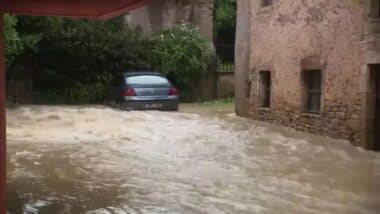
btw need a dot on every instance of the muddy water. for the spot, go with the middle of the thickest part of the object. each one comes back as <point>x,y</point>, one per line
<point>99,160</point>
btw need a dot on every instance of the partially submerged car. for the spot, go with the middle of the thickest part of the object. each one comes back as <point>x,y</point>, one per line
<point>144,91</point>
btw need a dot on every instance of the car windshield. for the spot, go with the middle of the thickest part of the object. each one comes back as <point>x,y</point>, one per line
<point>147,80</point>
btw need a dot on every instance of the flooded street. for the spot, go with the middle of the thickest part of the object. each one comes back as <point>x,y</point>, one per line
<point>100,160</point>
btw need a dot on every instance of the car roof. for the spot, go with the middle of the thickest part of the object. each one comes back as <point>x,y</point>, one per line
<point>139,73</point>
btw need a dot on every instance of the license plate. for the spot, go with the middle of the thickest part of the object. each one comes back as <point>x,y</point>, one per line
<point>154,105</point>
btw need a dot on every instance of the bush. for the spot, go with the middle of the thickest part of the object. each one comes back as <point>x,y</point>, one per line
<point>13,43</point>
<point>77,58</point>
<point>225,21</point>
<point>73,61</point>
<point>182,54</point>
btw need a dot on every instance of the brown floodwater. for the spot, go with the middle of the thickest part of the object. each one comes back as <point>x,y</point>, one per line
<point>98,160</point>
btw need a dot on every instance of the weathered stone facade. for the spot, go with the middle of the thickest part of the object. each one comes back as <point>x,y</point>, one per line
<point>162,14</point>
<point>337,38</point>
<point>225,82</point>
<point>242,55</point>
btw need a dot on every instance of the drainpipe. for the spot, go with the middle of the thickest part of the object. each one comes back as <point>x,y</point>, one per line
<point>242,55</point>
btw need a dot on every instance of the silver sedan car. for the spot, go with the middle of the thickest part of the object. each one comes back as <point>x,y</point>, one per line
<point>147,91</point>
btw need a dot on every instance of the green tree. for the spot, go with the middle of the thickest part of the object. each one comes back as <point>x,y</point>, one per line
<point>225,21</point>
<point>76,59</point>
<point>182,54</point>
<point>73,61</point>
<point>13,43</point>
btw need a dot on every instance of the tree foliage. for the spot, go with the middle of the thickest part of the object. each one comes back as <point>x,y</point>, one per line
<point>14,45</point>
<point>225,20</point>
<point>13,42</point>
<point>73,61</point>
<point>181,53</point>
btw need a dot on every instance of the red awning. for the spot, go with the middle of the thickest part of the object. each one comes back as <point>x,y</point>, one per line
<point>71,8</point>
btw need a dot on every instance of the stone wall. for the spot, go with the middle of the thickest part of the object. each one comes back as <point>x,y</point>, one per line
<point>20,88</point>
<point>162,14</point>
<point>242,55</point>
<point>336,121</point>
<point>225,84</point>
<point>294,35</point>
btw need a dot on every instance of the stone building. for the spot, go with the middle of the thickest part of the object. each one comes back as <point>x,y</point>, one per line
<point>162,14</point>
<point>242,55</point>
<point>315,65</point>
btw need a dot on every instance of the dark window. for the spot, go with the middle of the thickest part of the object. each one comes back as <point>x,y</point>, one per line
<point>266,3</point>
<point>265,79</point>
<point>375,9</point>
<point>377,113</point>
<point>313,85</point>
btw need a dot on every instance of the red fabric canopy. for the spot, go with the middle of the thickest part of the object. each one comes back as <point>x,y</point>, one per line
<point>71,8</point>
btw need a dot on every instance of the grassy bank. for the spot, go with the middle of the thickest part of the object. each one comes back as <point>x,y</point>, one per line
<point>214,107</point>
<point>220,103</point>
